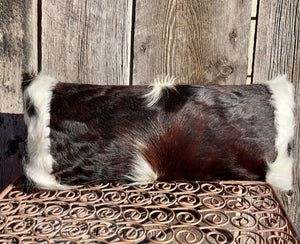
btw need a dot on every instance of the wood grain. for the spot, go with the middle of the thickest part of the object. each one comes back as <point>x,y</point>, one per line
<point>278,52</point>
<point>87,41</point>
<point>196,41</point>
<point>18,52</point>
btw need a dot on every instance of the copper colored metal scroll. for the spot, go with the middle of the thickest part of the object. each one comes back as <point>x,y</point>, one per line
<point>173,212</point>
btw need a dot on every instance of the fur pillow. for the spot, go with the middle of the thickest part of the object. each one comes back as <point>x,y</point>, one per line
<point>88,134</point>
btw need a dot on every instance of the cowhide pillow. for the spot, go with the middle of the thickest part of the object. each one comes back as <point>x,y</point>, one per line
<point>88,134</point>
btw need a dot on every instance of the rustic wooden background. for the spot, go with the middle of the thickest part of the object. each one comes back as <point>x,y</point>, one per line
<point>133,41</point>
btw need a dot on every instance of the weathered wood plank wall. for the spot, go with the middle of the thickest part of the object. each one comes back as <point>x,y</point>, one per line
<point>18,40</point>
<point>18,51</point>
<point>196,41</point>
<point>87,41</point>
<point>134,41</point>
<point>278,52</point>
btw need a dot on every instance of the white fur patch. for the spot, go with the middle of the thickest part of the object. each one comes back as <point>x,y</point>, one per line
<point>40,164</point>
<point>141,171</point>
<point>158,87</point>
<point>280,172</point>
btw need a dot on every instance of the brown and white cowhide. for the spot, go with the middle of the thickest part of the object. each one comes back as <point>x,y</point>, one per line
<point>88,134</point>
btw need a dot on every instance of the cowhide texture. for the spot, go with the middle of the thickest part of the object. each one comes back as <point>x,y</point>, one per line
<point>88,134</point>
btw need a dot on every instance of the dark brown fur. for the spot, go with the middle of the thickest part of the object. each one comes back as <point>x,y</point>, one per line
<point>193,133</point>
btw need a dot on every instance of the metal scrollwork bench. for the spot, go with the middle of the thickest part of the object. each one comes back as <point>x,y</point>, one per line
<point>162,212</point>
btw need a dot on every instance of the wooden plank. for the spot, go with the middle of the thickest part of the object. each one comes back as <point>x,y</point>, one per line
<point>18,52</point>
<point>196,41</point>
<point>87,41</point>
<point>278,52</point>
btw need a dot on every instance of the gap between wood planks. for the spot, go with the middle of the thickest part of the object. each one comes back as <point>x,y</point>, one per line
<point>39,35</point>
<point>252,41</point>
<point>132,42</point>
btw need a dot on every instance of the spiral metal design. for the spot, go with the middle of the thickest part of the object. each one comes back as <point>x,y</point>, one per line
<point>8,207</point>
<point>161,212</point>
<point>108,211</point>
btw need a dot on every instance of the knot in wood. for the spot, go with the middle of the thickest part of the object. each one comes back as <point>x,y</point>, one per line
<point>143,48</point>
<point>233,35</point>
<point>226,70</point>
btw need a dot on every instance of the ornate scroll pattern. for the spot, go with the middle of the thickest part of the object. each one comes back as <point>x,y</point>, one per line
<point>162,212</point>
